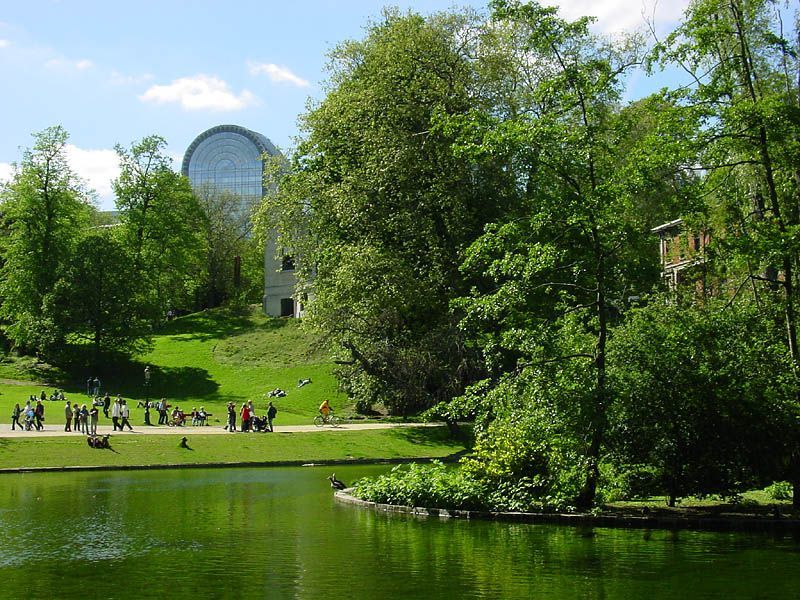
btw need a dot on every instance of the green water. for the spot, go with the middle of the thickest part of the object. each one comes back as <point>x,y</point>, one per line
<point>277,533</point>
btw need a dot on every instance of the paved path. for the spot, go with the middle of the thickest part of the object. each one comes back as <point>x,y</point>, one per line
<point>51,430</point>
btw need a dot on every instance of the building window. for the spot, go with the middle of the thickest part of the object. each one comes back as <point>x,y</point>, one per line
<point>287,263</point>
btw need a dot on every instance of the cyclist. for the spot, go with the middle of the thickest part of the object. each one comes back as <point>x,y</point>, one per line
<point>325,409</point>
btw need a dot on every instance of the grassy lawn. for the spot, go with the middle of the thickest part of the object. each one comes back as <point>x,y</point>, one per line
<point>234,448</point>
<point>205,359</point>
<point>751,503</point>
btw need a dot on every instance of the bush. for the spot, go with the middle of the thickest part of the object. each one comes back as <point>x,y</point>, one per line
<point>433,486</point>
<point>780,490</point>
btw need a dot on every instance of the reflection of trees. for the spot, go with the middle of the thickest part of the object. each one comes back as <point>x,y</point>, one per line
<point>278,533</point>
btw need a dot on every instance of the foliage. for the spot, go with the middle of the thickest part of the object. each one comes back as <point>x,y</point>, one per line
<point>555,274</point>
<point>780,490</point>
<point>378,209</point>
<point>705,394</point>
<point>97,301</point>
<point>745,98</point>
<point>227,231</point>
<point>163,225</point>
<point>44,207</point>
<point>434,486</point>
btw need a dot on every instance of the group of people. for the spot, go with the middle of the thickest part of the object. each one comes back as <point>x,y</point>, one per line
<point>251,422</point>
<point>84,418</point>
<point>32,415</point>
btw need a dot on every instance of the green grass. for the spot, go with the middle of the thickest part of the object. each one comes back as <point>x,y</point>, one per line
<point>205,359</point>
<point>234,448</point>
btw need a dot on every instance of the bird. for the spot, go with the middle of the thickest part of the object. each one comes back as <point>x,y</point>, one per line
<point>336,483</point>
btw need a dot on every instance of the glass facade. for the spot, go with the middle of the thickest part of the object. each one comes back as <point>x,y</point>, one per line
<point>228,158</point>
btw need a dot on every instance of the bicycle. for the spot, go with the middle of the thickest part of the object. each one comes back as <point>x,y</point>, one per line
<point>331,420</point>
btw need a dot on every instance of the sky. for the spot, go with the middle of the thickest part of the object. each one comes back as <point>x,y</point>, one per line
<point>113,72</point>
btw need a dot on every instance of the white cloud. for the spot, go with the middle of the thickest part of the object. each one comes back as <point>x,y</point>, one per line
<point>97,167</point>
<point>4,43</point>
<point>200,92</point>
<point>277,73</point>
<point>118,78</point>
<point>65,64</point>
<point>6,171</point>
<point>618,15</point>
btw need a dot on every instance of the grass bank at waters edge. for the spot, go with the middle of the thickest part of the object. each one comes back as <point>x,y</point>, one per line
<point>205,359</point>
<point>234,448</point>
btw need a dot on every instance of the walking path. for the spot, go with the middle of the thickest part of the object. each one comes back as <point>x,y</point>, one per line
<point>51,430</point>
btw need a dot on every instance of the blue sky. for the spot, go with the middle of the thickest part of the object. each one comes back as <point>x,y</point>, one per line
<point>113,72</point>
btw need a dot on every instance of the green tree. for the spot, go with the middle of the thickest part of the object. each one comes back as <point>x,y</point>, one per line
<point>163,225</point>
<point>557,273</point>
<point>98,300</point>
<point>744,95</point>
<point>44,207</point>
<point>227,236</point>
<point>705,394</point>
<point>378,209</point>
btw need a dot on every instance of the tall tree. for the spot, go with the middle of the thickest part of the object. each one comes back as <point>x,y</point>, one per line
<point>44,207</point>
<point>227,241</point>
<point>163,224</point>
<point>98,300</point>
<point>557,273</point>
<point>745,95</point>
<point>376,206</point>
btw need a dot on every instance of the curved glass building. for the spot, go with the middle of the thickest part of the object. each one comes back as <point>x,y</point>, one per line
<point>229,158</point>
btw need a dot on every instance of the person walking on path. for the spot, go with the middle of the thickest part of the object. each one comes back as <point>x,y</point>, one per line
<point>94,416</point>
<point>147,413</point>
<point>125,413</point>
<point>84,420</point>
<point>116,411</point>
<point>271,412</point>
<point>96,391</point>
<point>15,413</point>
<point>106,404</point>
<point>38,414</point>
<point>76,417</point>
<point>68,417</point>
<point>89,386</point>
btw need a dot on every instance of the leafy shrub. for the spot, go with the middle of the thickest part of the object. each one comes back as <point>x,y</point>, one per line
<point>780,490</point>
<point>432,485</point>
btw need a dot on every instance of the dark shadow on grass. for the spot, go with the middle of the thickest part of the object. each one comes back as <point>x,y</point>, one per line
<point>432,436</point>
<point>217,324</point>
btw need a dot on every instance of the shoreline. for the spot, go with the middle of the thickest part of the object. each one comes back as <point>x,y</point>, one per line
<point>233,465</point>
<point>624,521</point>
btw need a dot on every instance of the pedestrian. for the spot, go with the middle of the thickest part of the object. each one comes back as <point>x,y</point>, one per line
<point>231,426</point>
<point>116,411</point>
<point>89,386</point>
<point>245,414</point>
<point>84,420</point>
<point>38,414</point>
<point>94,416</point>
<point>125,413</point>
<point>76,418</point>
<point>106,404</point>
<point>68,417</point>
<point>15,413</point>
<point>147,375</point>
<point>271,412</point>
<point>162,411</point>
<point>96,386</point>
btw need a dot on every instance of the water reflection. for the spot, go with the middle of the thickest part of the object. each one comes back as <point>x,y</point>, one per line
<point>276,533</point>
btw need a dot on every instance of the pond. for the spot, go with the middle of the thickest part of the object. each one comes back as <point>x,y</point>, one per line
<point>278,533</point>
